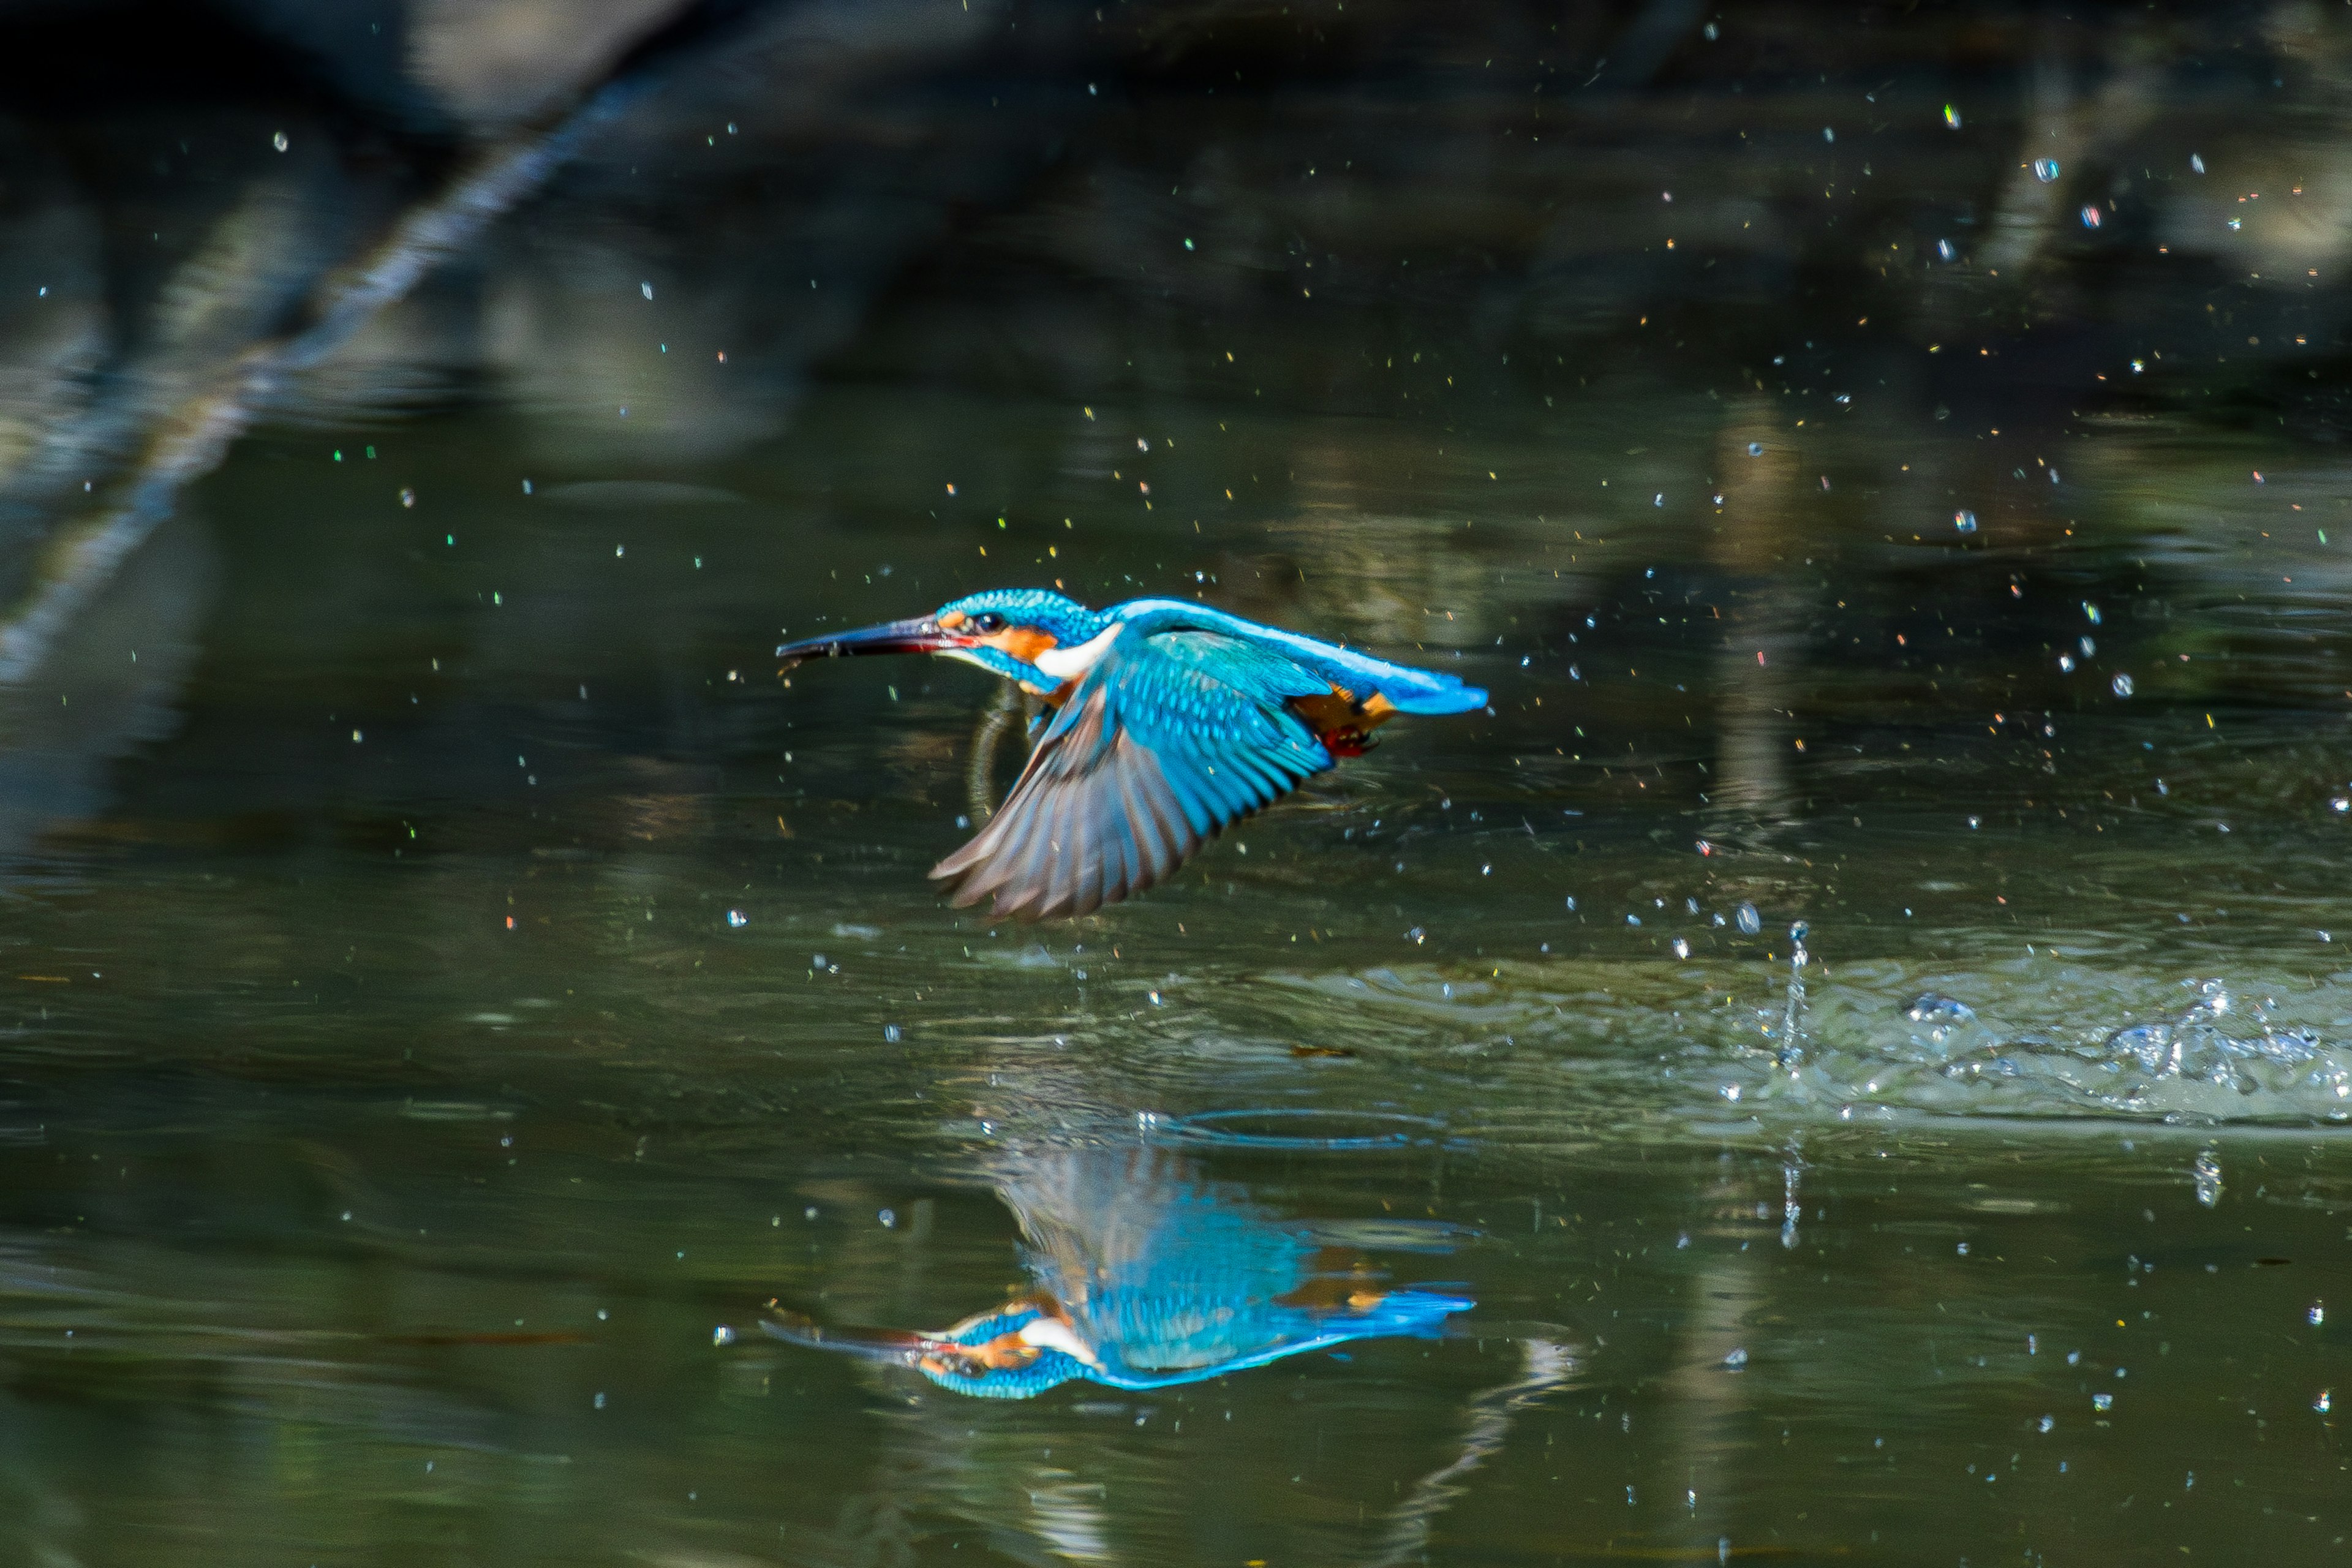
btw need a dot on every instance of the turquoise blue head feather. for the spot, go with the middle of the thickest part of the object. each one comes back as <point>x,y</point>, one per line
<point>1171,722</point>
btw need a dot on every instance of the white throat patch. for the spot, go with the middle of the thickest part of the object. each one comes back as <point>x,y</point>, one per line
<point>1070,663</point>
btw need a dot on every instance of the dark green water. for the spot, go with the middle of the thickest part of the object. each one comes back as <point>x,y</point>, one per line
<point>452,987</point>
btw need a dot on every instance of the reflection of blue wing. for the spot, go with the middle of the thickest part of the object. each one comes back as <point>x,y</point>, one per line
<point>1170,738</point>
<point>1151,1278</point>
<point>1170,1279</point>
<point>1289,1332</point>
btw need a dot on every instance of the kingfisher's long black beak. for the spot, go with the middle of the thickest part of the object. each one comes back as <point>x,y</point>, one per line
<point>923,634</point>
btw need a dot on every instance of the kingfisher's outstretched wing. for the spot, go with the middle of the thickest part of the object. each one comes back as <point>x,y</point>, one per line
<point>1170,738</point>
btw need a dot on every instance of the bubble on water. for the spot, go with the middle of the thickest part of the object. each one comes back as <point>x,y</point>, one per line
<point>1750,921</point>
<point>738,919</point>
<point>1736,1359</point>
<point>2103,1401</point>
<point>1929,1007</point>
<point>2123,685</point>
<point>2045,169</point>
<point>1966,521</point>
<point>1682,948</point>
<point>2207,1174</point>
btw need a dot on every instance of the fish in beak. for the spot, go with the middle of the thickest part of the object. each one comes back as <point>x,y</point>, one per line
<point>923,634</point>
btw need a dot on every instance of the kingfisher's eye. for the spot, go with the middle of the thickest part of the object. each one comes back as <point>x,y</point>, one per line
<point>989,621</point>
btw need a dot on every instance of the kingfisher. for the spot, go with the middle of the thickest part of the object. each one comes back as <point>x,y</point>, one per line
<point>1165,722</point>
<point>1145,1275</point>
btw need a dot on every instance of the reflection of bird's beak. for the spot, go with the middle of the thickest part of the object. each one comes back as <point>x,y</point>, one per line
<point>921,635</point>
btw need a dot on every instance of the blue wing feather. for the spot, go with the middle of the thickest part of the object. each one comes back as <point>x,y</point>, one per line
<point>1173,736</point>
<point>1410,690</point>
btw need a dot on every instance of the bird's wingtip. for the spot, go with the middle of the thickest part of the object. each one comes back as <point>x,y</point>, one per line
<point>1451,699</point>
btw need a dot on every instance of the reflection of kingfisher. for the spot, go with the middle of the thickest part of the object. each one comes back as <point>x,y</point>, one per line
<point>1172,720</point>
<point>1148,1277</point>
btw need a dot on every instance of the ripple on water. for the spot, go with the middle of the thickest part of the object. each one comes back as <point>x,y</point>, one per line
<point>2014,1039</point>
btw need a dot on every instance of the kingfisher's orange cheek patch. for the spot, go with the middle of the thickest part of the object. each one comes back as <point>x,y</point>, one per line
<point>1023,643</point>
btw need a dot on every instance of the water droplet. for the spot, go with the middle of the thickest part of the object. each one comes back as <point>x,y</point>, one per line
<point>2066,663</point>
<point>2122,684</point>
<point>407,496</point>
<point>888,1217</point>
<point>1755,448</point>
<point>738,919</point>
<point>2045,169</point>
<point>1682,948</point>
<point>1952,116</point>
<point>1972,821</point>
<point>1966,521</point>
<point>1750,921</point>
<point>890,1035</point>
<point>2090,217</point>
<point>1944,249</point>
<point>2047,1422</point>
<point>2317,1315</point>
<point>2207,1174</point>
<point>279,142</point>
<point>723,1335</point>
<point>1416,936</point>
<point>2322,1402</point>
<point>1736,1359</point>
<point>646,289</point>
<point>2196,163</point>
<point>2103,1401</point>
<point>1829,134</point>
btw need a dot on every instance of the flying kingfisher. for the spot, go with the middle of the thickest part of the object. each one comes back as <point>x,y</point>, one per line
<point>1169,721</point>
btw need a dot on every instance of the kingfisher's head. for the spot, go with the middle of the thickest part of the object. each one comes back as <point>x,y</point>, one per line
<point>1021,1350</point>
<point>1005,630</point>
